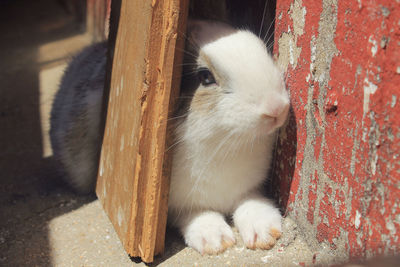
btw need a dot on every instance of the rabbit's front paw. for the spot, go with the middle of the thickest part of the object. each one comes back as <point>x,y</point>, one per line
<point>208,233</point>
<point>259,223</point>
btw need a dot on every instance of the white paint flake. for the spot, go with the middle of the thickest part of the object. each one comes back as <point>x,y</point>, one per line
<point>374,47</point>
<point>390,226</point>
<point>369,89</point>
<point>393,103</point>
<point>357,220</point>
<point>291,56</point>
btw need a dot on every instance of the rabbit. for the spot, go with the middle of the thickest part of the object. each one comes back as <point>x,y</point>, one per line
<point>233,99</point>
<point>75,118</point>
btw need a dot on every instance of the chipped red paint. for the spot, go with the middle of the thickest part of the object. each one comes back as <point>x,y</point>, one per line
<point>338,160</point>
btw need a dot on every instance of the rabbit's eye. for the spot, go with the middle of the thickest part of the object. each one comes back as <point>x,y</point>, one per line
<point>205,76</point>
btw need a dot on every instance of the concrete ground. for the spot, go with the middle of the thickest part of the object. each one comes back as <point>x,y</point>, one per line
<point>42,222</point>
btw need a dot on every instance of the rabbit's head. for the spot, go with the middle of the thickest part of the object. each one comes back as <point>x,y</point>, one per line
<point>233,82</point>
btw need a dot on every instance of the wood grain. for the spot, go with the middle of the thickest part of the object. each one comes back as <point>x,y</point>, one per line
<point>133,178</point>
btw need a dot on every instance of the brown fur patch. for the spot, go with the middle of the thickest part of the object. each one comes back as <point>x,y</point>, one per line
<point>251,246</point>
<point>227,243</point>
<point>265,245</point>
<point>224,245</point>
<point>204,100</point>
<point>275,233</point>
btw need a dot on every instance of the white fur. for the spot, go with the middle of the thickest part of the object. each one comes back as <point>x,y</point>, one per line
<point>224,147</point>
<point>255,217</point>
<point>207,232</point>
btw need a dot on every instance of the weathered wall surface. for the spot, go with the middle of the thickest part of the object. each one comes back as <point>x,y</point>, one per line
<point>339,157</point>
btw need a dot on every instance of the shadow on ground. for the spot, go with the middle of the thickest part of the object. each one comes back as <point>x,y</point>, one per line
<point>29,194</point>
<point>42,222</point>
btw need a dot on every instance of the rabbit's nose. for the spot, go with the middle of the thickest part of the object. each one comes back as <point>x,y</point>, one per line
<point>277,110</point>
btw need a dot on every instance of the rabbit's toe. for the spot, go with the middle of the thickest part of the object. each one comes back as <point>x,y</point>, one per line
<point>259,223</point>
<point>208,233</point>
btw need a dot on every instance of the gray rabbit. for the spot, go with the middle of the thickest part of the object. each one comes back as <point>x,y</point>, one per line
<point>75,118</point>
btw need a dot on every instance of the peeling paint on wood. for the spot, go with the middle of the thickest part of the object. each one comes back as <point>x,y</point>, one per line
<point>339,167</point>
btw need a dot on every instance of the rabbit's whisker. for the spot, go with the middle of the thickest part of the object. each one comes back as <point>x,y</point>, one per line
<point>178,117</point>
<point>268,31</point>
<point>186,52</point>
<point>263,17</point>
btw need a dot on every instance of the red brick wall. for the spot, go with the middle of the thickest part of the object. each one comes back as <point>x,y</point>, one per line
<point>338,162</point>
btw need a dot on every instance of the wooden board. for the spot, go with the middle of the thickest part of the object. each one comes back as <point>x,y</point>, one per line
<point>133,177</point>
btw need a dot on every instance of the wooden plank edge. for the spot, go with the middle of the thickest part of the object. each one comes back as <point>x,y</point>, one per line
<point>153,165</point>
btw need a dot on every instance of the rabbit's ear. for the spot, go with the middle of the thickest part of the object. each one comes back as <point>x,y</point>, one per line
<point>202,32</point>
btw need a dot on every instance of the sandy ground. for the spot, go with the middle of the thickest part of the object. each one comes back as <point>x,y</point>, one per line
<point>42,222</point>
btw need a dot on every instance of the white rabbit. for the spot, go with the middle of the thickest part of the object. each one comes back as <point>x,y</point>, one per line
<point>233,100</point>
<point>236,100</point>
